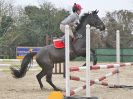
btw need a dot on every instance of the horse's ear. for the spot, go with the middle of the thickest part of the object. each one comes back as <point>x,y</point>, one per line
<point>95,12</point>
<point>89,12</point>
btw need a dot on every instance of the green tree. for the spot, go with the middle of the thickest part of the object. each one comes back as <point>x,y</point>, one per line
<point>6,24</point>
<point>28,26</point>
<point>119,20</point>
<point>43,20</point>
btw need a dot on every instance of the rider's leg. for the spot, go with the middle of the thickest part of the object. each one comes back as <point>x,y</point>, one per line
<point>71,35</point>
<point>62,28</point>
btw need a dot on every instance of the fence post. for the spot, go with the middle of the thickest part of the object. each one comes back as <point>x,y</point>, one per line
<point>67,58</point>
<point>118,53</point>
<point>87,60</point>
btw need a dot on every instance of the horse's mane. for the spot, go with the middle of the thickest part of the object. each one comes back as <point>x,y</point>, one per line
<point>82,19</point>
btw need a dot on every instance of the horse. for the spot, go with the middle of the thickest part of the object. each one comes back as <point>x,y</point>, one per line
<point>48,55</point>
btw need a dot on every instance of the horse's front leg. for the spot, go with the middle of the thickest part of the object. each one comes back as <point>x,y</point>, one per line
<point>39,77</point>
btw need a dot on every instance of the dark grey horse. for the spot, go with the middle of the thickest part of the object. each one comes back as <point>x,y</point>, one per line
<point>49,55</point>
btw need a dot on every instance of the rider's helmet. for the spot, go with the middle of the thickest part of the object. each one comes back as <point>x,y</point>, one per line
<point>76,7</point>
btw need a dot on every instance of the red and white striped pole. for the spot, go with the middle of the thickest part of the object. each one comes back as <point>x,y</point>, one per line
<point>95,67</point>
<point>96,81</point>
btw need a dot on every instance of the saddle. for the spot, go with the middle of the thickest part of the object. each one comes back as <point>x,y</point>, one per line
<point>58,43</point>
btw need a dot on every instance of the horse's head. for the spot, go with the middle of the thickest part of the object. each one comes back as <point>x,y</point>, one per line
<point>92,19</point>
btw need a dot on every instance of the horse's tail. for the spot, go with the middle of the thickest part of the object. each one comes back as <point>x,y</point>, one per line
<point>19,73</point>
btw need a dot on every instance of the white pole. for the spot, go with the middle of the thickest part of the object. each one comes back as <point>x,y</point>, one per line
<point>87,60</point>
<point>67,58</point>
<point>118,53</point>
<point>118,46</point>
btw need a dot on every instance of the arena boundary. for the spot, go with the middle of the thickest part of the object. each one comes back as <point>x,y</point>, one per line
<point>59,68</point>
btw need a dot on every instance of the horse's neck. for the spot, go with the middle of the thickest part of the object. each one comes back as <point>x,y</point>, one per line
<point>80,43</point>
<point>81,31</point>
<point>78,46</point>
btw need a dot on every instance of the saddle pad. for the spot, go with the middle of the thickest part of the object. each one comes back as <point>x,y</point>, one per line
<point>58,43</point>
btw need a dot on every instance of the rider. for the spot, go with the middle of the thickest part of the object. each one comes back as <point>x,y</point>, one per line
<point>72,20</point>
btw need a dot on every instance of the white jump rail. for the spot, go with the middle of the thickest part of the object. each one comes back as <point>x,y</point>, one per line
<point>88,61</point>
<point>118,54</point>
<point>12,60</point>
<point>67,60</point>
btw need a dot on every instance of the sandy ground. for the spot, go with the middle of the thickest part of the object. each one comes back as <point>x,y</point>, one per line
<point>28,87</point>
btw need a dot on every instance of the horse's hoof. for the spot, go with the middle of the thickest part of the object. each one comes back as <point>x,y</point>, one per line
<point>43,88</point>
<point>58,89</point>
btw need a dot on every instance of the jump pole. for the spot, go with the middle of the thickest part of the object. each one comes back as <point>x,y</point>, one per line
<point>118,53</point>
<point>118,46</point>
<point>88,61</point>
<point>67,59</point>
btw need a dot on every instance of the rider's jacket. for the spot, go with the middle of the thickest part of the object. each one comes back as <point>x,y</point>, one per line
<point>71,20</point>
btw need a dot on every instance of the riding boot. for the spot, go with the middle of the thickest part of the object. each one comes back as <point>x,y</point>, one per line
<point>63,38</point>
<point>71,38</point>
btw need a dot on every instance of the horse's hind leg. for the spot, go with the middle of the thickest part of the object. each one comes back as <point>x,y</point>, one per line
<point>49,79</point>
<point>39,77</point>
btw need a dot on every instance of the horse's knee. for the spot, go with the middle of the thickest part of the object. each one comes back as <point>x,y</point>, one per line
<point>48,78</point>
